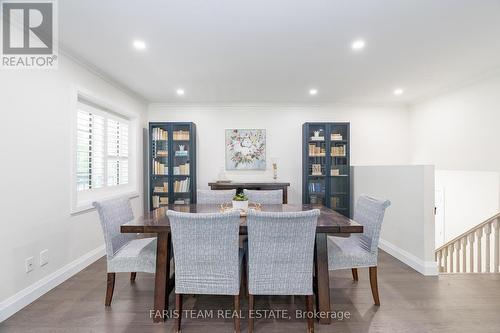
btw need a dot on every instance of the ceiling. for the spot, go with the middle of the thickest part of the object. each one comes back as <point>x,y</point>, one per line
<point>275,51</point>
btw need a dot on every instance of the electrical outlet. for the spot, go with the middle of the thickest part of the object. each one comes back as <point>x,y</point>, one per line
<point>29,264</point>
<point>44,257</point>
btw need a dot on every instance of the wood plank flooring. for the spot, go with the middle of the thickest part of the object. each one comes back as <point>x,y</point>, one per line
<point>410,303</point>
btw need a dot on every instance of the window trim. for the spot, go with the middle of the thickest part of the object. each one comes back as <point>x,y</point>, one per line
<point>81,201</point>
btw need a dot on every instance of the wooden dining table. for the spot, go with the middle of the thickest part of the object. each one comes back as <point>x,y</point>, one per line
<point>156,222</point>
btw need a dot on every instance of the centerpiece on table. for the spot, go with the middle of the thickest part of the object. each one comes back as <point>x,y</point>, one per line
<point>240,202</point>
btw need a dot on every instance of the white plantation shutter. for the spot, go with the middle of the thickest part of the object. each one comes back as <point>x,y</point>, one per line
<point>102,152</point>
<point>90,151</point>
<point>117,152</point>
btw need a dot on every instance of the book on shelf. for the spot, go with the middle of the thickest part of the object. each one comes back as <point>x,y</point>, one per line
<point>315,151</point>
<point>155,201</point>
<point>163,201</point>
<point>180,153</point>
<point>161,153</point>
<point>315,188</point>
<point>181,135</point>
<point>338,151</point>
<point>185,201</point>
<point>314,199</point>
<point>161,189</point>
<point>316,170</point>
<point>317,138</point>
<point>181,186</point>
<point>159,134</point>
<point>334,172</point>
<point>159,168</point>
<point>182,169</point>
<point>336,137</point>
<point>335,202</point>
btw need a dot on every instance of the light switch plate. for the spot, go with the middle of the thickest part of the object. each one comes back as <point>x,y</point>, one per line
<point>29,264</point>
<point>44,257</point>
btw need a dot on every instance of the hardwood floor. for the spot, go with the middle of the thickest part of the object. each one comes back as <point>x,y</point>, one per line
<point>409,301</point>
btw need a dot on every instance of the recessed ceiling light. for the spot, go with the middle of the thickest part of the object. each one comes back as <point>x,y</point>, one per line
<point>313,92</point>
<point>398,91</point>
<point>180,92</point>
<point>139,44</point>
<point>358,45</point>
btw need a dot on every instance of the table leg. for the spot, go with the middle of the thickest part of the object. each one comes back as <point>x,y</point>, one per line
<point>322,278</point>
<point>160,276</point>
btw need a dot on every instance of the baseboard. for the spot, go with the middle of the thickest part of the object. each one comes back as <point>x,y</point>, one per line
<point>428,268</point>
<point>18,301</point>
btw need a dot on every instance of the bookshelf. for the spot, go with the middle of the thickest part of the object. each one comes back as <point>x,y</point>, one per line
<point>326,174</point>
<point>172,163</point>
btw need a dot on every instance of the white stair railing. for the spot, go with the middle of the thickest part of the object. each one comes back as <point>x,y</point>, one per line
<point>469,247</point>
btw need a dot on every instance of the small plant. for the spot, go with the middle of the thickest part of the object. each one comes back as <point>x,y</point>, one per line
<point>240,197</point>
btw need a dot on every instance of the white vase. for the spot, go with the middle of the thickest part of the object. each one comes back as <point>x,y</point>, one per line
<point>240,205</point>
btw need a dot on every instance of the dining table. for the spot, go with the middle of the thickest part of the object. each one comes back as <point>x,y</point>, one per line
<point>156,222</point>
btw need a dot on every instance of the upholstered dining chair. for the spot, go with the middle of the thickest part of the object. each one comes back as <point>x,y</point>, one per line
<point>271,197</point>
<point>360,250</point>
<point>124,252</point>
<point>214,196</point>
<point>280,256</point>
<point>207,256</point>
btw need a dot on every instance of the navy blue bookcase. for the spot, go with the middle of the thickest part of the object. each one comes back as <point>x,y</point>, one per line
<point>326,172</point>
<point>172,163</point>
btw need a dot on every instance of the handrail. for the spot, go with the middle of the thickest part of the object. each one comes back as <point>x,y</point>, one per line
<point>471,230</point>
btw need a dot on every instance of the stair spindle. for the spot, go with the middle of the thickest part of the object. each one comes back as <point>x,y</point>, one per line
<point>438,259</point>
<point>464,255</point>
<point>457,253</point>
<point>496,246</point>
<point>479,248</point>
<point>451,248</point>
<point>445,260</point>
<point>471,252</point>
<point>487,232</point>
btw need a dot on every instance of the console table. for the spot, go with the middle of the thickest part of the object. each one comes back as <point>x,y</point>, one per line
<point>252,186</point>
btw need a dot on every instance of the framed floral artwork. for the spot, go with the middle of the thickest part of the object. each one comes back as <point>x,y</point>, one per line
<point>245,149</point>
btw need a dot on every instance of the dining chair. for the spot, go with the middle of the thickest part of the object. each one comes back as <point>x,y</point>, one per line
<point>271,197</point>
<point>207,256</point>
<point>124,252</point>
<point>280,256</point>
<point>360,250</point>
<point>214,196</point>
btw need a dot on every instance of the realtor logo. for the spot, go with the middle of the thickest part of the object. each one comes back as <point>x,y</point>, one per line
<point>29,34</point>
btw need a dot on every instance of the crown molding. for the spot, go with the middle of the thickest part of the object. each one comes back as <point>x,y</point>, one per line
<point>101,74</point>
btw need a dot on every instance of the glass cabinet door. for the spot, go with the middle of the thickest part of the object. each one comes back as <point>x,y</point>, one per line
<point>159,166</point>
<point>339,169</point>
<point>316,164</point>
<point>181,168</point>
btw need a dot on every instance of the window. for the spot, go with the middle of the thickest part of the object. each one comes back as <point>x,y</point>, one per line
<point>102,152</point>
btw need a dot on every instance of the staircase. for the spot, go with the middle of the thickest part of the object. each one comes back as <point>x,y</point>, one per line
<point>471,252</point>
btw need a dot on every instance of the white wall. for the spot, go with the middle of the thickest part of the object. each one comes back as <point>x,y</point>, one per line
<point>470,197</point>
<point>35,174</point>
<point>408,228</point>
<point>379,135</point>
<point>458,131</point>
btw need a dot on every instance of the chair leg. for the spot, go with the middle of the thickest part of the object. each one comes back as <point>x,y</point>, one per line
<point>355,274</point>
<point>250,313</point>
<point>374,284</point>
<point>237,310</point>
<point>110,288</point>
<point>178,308</point>
<point>309,309</point>
<point>132,276</point>
<point>244,279</point>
